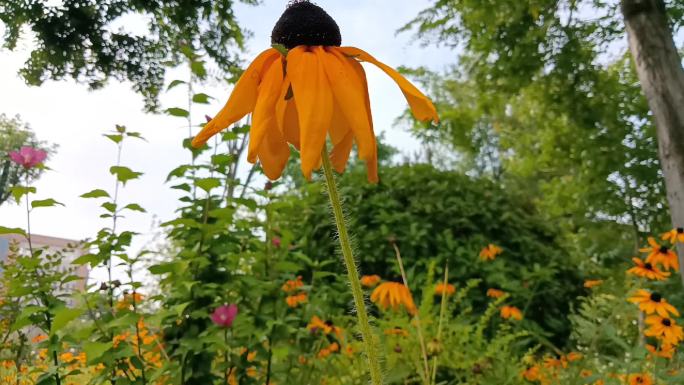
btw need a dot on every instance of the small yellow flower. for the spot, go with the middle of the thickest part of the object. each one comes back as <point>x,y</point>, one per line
<point>640,379</point>
<point>647,270</point>
<point>665,350</point>
<point>659,254</point>
<point>490,252</point>
<point>651,303</point>
<point>674,236</point>
<point>665,329</point>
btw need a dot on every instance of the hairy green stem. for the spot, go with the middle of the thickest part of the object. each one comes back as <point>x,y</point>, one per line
<point>345,244</point>
<point>442,312</point>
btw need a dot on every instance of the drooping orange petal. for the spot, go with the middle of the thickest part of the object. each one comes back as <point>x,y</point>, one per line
<point>372,164</point>
<point>314,100</point>
<point>264,111</point>
<point>421,106</point>
<point>273,151</point>
<point>349,93</point>
<point>286,114</point>
<point>342,138</point>
<point>242,100</point>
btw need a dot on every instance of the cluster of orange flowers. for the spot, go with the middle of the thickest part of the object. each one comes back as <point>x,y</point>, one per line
<point>326,328</point>
<point>547,370</point>
<point>659,312</point>
<point>295,297</point>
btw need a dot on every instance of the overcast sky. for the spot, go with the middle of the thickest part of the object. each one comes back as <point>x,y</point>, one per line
<point>75,118</point>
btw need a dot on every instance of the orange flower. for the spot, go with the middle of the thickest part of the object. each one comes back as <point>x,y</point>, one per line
<point>370,280</point>
<point>300,96</point>
<point>447,289</point>
<point>647,270</point>
<point>490,252</point>
<point>585,373</point>
<point>573,356</point>
<point>640,379</point>
<point>665,350</point>
<point>495,293</point>
<point>393,295</point>
<point>332,348</point>
<point>661,255</point>
<point>316,324</point>
<point>39,338</point>
<point>511,312</point>
<point>674,236</point>
<point>592,283</point>
<point>293,285</point>
<point>396,331</point>
<point>664,328</point>
<point>294,300</point>
<point>531,373</point>
<point>651,303</point>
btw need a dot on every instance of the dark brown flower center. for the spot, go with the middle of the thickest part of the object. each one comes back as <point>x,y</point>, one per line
<point>680,230</point>
<point>664,249</point>
<point>648,266</point>
<point>667,322</point>
<point>655,297</point>
<point>304,23</point>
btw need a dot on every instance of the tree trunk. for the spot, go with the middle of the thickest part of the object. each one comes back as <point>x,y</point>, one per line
<point>662,79</point>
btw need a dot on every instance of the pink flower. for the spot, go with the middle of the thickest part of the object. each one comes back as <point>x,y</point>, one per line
<point>224,315</point>
<point>28,157</point>
<point>276,241</point>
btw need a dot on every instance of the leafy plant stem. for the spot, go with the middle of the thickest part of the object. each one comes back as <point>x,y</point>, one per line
<point>442,311</point>
<point>419,328</point>
<point>353,275</point>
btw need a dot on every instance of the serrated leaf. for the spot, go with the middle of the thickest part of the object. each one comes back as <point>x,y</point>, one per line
<point>19,191</point>
<point>45,203</point>
<point>201,98</point>
<point>207,184</point>
<point>63,317</point>
<point>175,83</point>
<point>124,174</point>
<point>134,207</point>
<point>97,193</point>
<point>175,111</point>
<point>95,350</point>
<point>12,230</point>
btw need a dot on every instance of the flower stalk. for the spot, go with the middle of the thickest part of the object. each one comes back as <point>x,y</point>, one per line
<point>353,275</point>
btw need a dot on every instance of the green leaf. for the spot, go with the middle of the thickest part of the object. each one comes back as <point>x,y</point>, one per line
<point>175,83</point>
<point>109,206</point>
<point>92,259</point>
<point>63,317</point>
<point>98,193</point>
<point>207,184</point>
<point>10,230</point>
<point>134,207</point>
<point>198,69</point>
<point>124,174</point>
<point>201,98</point>
<point>19,191</point>
<point>95,350</point>
<point>45,203</point>
<point>287,267</point>
<point>221,159</point>
<point>115,138</point>
<point>175,111</point>
<point>165,268</point>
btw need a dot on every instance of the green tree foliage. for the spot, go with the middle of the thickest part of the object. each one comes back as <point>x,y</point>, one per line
<point>446,217</point>
<point>544,96</point>
<point>78,39</point>
<point>15,134</point>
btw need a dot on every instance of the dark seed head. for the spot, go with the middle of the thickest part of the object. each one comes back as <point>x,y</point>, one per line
<point>304,23</point>
<point>680,230</point>
<point>329,323</point>
<point>664,249</point>
<point>667,322</point>
<point>655,297</point>
<point>648,266</point>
